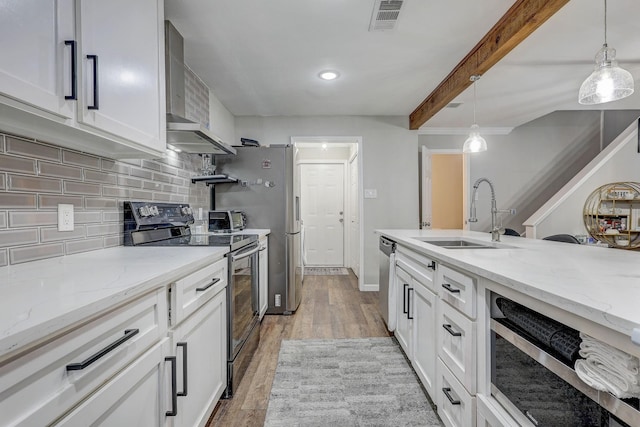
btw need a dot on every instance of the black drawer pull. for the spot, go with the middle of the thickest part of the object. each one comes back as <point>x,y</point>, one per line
<point>451,331</point>
<point>208,285</point>
<point>450,289</point>
<point>74,77</point>
<point>447,392</point>
<point>432,266</point>
<point>184,368</point>
<point>404,299</point>
<point>128,334</point>
<point>409,315</point>
<point>174,387</point>
<point>96,104</point>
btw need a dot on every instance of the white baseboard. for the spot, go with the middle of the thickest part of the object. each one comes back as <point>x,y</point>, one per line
<point>372,287</point>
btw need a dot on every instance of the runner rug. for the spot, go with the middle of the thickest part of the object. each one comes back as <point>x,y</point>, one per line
<point>326,271</point>
<point>346,382</point>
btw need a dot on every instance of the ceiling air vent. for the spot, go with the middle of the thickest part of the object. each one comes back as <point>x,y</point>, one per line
<point>385,15</point>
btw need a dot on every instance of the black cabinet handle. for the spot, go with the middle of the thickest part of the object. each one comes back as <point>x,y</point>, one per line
<point>174,387</point>
<point>184,368</point>
<point>409,316</point>
<point>450,289</point>
<point>207,286</point>
<point>96,103</point>
<point>404,299</point>
<point>451,331</point>
<point>74,77</point>
<point>447,392</point>
<point>432,266</point>
<point>128,334</point>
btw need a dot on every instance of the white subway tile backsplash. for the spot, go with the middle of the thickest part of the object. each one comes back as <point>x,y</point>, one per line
<point>36,176</point>
<point>33,253</point>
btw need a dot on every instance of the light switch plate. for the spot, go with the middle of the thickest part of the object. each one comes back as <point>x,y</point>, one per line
<point>370,193</point>
<point>65,217</point>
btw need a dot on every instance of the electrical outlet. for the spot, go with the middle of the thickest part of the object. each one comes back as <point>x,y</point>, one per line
<point>65,217</point>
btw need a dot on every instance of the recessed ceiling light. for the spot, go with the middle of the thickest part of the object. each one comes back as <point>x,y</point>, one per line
<point>329,75</point>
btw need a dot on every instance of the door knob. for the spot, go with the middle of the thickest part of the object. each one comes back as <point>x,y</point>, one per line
<point>341,220</point>
<point>341,213</point>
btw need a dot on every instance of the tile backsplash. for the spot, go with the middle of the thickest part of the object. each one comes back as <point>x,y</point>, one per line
<point>36,176</point>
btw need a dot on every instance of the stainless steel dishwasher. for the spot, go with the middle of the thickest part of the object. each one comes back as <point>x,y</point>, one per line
<point>387,247</point>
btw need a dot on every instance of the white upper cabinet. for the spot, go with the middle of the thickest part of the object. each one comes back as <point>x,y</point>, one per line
<point>121,65</point>
<point>87,74</point>
<point>35,65</point>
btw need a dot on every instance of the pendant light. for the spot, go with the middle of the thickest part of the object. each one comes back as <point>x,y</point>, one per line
<point>475,143</point>
<point>608,82</point>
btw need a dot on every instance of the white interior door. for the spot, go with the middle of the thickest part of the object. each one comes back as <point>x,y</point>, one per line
<point>354,217</point>
<point>425,221</point>
<point>322,203</point>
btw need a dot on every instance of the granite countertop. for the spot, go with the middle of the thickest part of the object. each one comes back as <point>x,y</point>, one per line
<point>42,297</point>
<point>599,284</point>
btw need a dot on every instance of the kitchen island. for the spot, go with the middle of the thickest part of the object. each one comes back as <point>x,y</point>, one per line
<point>446,285</point>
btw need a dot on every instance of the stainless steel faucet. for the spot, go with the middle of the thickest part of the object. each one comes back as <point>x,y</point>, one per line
<point>495,230</point>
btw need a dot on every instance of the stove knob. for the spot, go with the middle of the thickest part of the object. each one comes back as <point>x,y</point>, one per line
<point>154,210</point>
<point>144,211</point>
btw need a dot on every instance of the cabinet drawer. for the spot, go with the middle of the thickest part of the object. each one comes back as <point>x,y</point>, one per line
<point>456,407</point>
<point>38,387</point>
<point>419,266</point>
<point>458,290</point>
<point>456,344</point>
<point>191,292</point>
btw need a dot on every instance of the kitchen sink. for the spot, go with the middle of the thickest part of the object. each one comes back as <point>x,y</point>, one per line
<point>460,244</point>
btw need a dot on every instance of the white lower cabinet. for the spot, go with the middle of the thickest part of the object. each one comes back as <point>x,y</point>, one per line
<point>199,344</point>
<point>456,407</point>
<point>404,312</point>
<point>136,397</point>
<point>263,275</point>
<point>490,416</point>
<point>425,352</point>
<point>456,344</point>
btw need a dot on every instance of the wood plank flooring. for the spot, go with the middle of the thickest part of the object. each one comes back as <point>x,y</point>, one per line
<point>331,307</point>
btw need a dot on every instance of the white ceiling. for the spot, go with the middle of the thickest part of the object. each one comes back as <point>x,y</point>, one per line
<point>262,57</point>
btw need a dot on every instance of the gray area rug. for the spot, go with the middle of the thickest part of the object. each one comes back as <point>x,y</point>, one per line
<point>346,382</point>
<point>326,271</point>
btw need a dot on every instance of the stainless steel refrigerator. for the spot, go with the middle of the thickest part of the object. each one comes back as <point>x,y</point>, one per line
<point>268,192</point>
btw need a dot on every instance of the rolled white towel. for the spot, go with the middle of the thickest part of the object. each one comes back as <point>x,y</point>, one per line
<point>594,376</point>
<point>590,345</point>
<point>629,376</point>
<point>391,324</point>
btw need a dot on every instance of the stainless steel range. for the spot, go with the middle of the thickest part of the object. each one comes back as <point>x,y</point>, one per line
<point>167,224</point>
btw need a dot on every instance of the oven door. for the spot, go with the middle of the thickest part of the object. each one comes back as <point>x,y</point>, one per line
<point>243,296</point>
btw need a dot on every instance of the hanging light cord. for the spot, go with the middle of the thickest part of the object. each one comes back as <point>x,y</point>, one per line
<point>474,102</point>
<point>605,22</point>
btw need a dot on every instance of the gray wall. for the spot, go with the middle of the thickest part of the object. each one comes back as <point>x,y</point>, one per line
<point>390,165</point>
<point>36,176</point>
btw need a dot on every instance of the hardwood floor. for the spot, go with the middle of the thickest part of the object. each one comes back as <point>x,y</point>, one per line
<point>331,307</point>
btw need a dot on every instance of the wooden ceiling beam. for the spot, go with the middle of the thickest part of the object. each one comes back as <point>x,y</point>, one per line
<point>522,19</point>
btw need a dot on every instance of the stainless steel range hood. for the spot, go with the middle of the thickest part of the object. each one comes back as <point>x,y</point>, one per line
<point>184,134</point>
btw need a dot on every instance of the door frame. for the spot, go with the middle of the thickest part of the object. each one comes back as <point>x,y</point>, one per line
<point>426,154</point>
<point>358,141</point>
<point>345,206</point>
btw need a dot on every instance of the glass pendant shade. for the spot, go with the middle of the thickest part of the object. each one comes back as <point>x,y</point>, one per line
<point>475,143</point>
<point>608,82</point>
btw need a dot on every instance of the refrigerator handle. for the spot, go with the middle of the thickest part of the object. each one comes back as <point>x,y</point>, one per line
<point>297,208</point>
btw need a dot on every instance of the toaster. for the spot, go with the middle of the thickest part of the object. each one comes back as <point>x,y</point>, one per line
<point>226,221</point>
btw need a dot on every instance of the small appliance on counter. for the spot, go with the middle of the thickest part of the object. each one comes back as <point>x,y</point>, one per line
<point>226,221</point>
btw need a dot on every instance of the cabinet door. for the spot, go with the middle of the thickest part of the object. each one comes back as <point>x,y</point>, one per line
<point>127,96</point>
<point>425,350</point>
<point>35,65</point>
<point>137,396</point>
<point>263,265</point>
<point>202,338</point>
<point>404,310</point>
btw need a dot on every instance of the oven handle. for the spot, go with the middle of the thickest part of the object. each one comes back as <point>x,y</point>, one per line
<point>245,254</point>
